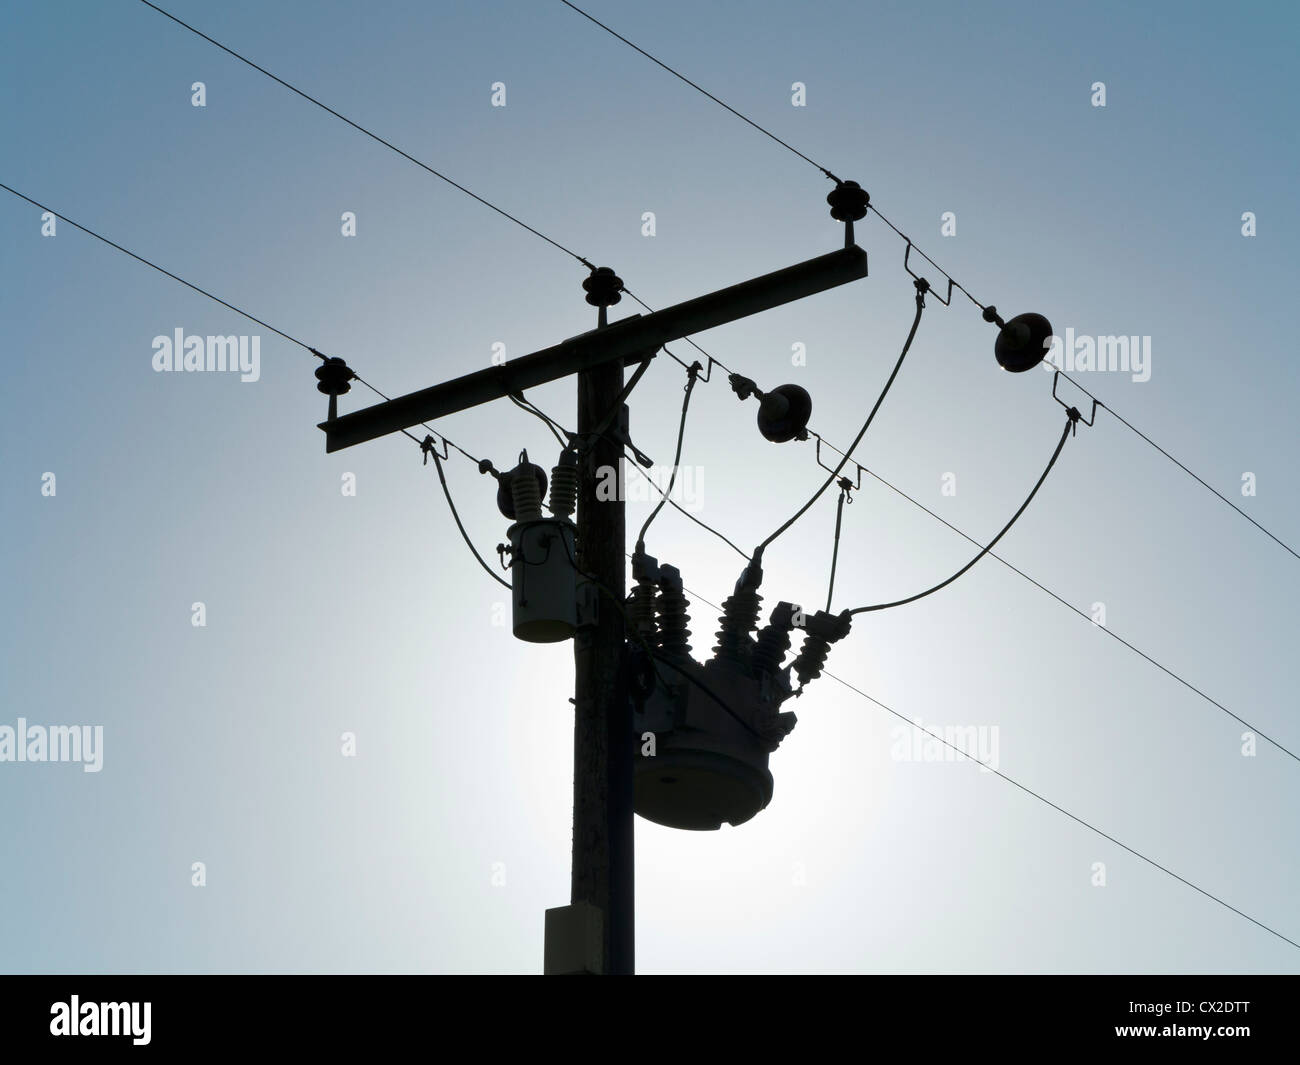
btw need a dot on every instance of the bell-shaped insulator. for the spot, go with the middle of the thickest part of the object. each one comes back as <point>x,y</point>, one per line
<point>1022,342</point>
<point>783,414</point>
<point>514,486</point>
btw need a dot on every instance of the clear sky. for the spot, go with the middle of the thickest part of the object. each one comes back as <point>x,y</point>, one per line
<point>438,846</point>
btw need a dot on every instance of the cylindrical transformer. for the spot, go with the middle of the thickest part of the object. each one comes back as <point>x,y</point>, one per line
<point>544,585</point>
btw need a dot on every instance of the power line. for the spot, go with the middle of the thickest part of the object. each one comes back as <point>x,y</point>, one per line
<point>692,375</point>
<point>373,136</point>
<point>1200,480</point>
<point>697,88</point>
<point>845,486</point>
<point>429,449</point>
<point>554,426</point>
<point>216,299</point>
<point>154,266</point>
<point>1073,817</point>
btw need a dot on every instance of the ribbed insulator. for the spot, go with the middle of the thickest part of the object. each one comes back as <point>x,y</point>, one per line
<point>564,490</point>
<point>739,619</point>
<point>527,496</point>
<point>811,658</point>
<point>673,621</point>
<point>773,643</point>
<point>641,610</point>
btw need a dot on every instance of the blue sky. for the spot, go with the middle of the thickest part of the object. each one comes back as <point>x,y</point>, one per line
<point>329,614</point>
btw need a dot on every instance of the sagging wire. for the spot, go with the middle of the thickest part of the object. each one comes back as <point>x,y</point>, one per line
<point>921,288</point>
<point>1072,418</point>
<point>428,447</point>
<point>373,136</point>
<point>846,487</point>
<point>557,430</point>
<point>692,376</point>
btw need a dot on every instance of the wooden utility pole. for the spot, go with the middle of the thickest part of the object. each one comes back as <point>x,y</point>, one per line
<point>595,933</point>
<point>603,871</point>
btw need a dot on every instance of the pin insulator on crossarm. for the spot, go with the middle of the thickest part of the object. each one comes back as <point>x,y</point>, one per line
<point>333,377</point>
<point>849,202</point>
<point>604,289</point>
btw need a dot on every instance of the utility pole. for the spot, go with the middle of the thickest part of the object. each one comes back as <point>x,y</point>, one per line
<point>603,854</point>
<point>595,933</point>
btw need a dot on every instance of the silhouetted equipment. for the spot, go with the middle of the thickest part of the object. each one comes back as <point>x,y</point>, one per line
<point>848,202</point>
<point>544,587</point>
<point>1022,342</point>
<point>630,340</point>
<point>718,744</point>
<point>820,631</point>
<point>783,414</point>
<point>334,379</point>
<point>564,485</point>
<point>543,580</point>
<point>604,288</point>
<point>523,487</point>
<point>714,724</point>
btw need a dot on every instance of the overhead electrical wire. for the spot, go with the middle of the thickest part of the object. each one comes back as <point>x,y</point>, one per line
<point>697,88</point>
<point>845,487</point>
<point>557,430</point>
<point>1196,477</point>
<point>265,325</point>
<point>162,270</point>
<point>437,462</point>
<point>692,376</point>
<point>373,136</point>
<point>1073,817</point>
